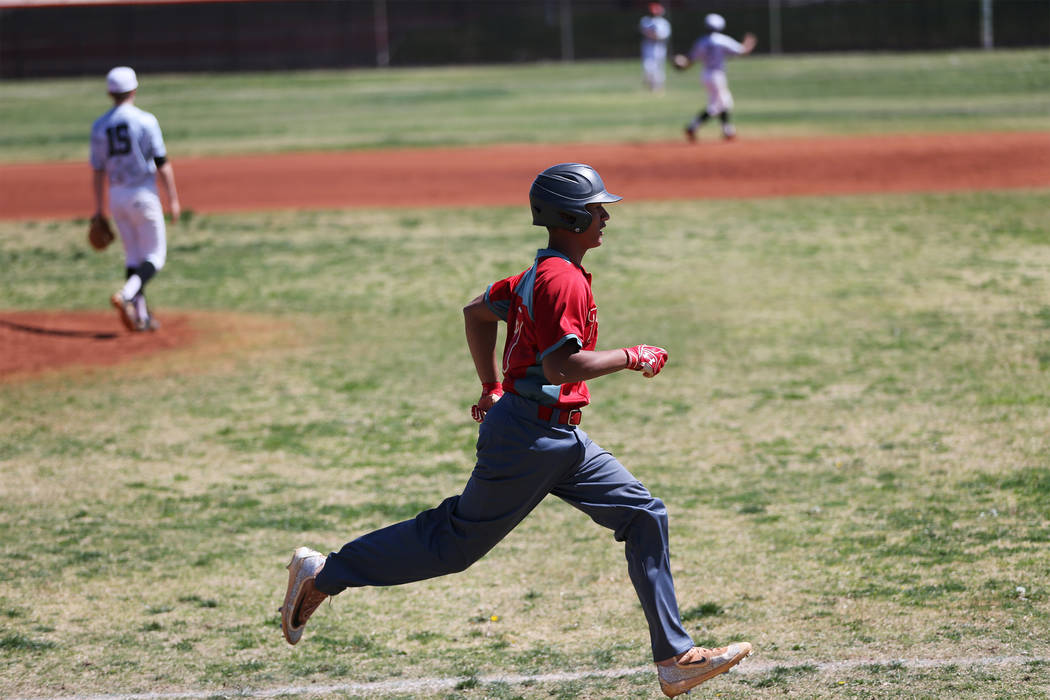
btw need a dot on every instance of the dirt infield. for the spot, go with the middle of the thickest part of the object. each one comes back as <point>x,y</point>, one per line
<point>31,343</point>
<point>500,175</point>
<point>59,344</point>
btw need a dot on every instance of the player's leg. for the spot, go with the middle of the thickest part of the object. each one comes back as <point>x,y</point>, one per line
<point>443,540</point>
<point>154,241</point>
<point>714,104</point>
<point>143,274</point>
<point>518,461</point>
<point>508,481</point>
<point>125,216</point>
<point>648,70</point>
<point>698,121</point>
<point>519,458</point>
<point>614,498</point>
<point>145,252</point>
<point>656,70</point>
<point>724,102</point>
<point>606,491</point>
<point>661,66</point>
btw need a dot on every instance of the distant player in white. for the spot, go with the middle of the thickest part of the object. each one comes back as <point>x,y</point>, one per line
<point>656,30</point>
<point>712,49</point>
<point>127,150</point>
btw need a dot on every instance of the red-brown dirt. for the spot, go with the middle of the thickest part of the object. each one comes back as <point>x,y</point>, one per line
<point>500,175</point>
<point>31,343</point>
<point>57,343</point>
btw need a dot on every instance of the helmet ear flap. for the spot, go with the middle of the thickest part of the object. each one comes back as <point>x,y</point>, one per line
<point>559,218</point>
<point>574,222</point>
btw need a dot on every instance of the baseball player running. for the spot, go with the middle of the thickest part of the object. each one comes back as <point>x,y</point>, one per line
<point>713,48</point>
<point>530,443</point>
<point>127,150</point>
<point>656,31</point>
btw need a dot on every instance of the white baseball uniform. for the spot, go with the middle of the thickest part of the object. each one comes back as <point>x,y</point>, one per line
<point>712,50</point>
<point>655,32</point>
<point>125,143</point>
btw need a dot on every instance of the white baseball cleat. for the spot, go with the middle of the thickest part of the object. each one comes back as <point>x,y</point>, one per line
<point>698,665</point>
<point>148,324</point>
<point>301,599</point>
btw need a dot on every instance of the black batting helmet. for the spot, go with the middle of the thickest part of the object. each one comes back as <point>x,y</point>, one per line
<point>560,194</point>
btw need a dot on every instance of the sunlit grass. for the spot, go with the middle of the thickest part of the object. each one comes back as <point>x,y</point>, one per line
<point>209,114</point>
<point>850,437</point>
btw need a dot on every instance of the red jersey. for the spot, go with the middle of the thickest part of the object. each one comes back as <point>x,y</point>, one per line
<point>546,306</point>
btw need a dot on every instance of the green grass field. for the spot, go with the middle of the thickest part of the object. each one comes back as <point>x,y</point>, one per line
<point>856,405</point>
<point>591,101</point>
<point>851,434</point>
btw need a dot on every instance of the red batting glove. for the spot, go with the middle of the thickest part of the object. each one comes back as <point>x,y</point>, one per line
<point>647,359</point>
<point>490,393</point>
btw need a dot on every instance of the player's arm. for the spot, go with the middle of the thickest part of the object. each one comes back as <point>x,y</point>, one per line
<point>482,328</point>
<point>569,364</point>
<point>166,176</point>
<point>98,184</point>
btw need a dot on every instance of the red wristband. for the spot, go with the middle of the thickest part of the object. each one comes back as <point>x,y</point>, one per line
<point>491,388</point>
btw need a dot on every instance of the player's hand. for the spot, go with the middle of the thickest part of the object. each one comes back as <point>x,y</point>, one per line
<point>749,42</point>
<point>680,61</point>
<point>647,359</point>
<point>176,211</point>
<point>490,394</point>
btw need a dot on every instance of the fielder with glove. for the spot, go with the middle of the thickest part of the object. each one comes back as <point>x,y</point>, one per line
<point>128,154</point>
<point>530,444</point>
<point>713,49</point>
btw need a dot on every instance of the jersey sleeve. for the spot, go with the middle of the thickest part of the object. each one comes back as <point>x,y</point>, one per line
<point>153,140</point>
<point>563,303</point>
<point>728,43</point>
<point>498,297</point>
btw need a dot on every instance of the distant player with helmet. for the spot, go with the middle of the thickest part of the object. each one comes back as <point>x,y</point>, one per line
<point>127,151</point>
<point>713,49</point>
<point>529,443</point>
<point>655,31</point>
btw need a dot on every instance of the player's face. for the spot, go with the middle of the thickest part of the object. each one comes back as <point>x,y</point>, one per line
<point>593,235</point>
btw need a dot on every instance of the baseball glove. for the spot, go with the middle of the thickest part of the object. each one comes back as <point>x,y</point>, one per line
<point>100,233</point>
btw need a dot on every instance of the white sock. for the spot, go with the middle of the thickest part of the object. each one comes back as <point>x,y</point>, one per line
<point>132,287</point>
<point>140,306</point>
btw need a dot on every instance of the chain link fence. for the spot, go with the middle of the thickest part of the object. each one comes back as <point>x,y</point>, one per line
<point>41,39</point>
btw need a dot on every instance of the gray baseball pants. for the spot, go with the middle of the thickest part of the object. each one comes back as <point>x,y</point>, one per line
<point>520,459</point>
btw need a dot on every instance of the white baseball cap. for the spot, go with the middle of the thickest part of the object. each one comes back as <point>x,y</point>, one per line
<point>715,23</point>
<point>121,79</point>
